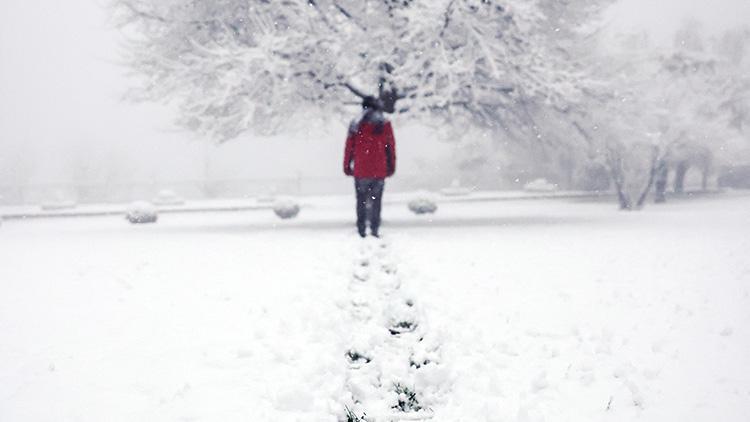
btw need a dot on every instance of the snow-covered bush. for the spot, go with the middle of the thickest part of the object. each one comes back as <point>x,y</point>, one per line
<point>286,208</point>
<point>141,212</point>
<point>168,197</point>
<point>539,185</point>
<point>423,203</point>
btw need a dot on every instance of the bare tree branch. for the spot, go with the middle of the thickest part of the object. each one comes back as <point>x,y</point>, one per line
<point>354,90</point>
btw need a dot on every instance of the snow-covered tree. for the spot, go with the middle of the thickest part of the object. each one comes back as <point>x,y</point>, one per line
<point>659,109</point>
<point>235,65</point>
<point>734,50</point>
<point>706,93</point>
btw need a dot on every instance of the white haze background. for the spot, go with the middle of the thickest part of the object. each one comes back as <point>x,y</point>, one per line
<point>62,118</point>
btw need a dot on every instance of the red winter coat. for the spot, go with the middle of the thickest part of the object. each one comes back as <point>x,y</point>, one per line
<point>370,154</point>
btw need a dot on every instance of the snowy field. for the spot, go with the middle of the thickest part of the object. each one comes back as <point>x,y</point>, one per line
<point>539,310</point>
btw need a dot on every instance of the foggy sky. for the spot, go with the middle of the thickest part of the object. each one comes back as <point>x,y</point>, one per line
<point>661,18</point>
<point>60,87</point>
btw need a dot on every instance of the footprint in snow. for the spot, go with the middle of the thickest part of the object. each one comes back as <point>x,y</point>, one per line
<point>361,274</point>
<point>357,359</point>
<point>388,268</point>
<point>363,262</point>
<point>402,327</point>
<point>362,313</point>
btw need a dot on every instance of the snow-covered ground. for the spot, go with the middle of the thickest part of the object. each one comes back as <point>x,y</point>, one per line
<point>490,311</point>
<point>71,209</point>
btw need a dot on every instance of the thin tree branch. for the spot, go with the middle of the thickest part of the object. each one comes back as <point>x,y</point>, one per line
<point>349,16</point>
<point>354,90</point>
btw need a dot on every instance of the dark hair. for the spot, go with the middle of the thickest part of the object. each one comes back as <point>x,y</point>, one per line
<point>371,103</point>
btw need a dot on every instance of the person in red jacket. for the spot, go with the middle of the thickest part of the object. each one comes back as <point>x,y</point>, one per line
<point>370,156</point>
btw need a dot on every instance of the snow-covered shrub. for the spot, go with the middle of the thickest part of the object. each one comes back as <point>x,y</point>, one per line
<point>286,208</point>
<point>168,197</point>
<point>141,212</point>
<point>423,203</point>
<point>539,185</point>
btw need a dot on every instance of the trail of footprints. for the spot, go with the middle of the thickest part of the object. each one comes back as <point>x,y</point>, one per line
<point>394,364</point>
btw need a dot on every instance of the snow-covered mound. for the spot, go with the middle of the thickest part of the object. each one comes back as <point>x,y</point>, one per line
<point>423,203</point>
<point>141,212</point>
<point>286,208</point>
<point>168,197</point>
<point>540,185</point>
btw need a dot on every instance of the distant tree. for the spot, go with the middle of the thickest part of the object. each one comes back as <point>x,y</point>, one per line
<point>708,94</point>
<point>234,65</point>
<point>734,50</point>
<point>659,110</point>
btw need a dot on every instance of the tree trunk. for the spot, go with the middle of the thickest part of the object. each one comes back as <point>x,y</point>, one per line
<point>704,179</point>
<point>622,197</point>
<point>679,176</point>
<point>614,165</point>
<point>662,174</point>
<point>651,177</point>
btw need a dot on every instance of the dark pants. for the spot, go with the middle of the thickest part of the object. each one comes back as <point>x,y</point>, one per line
<point>369,197</point>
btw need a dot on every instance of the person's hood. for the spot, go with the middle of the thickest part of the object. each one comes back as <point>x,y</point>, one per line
<point>367,116</point>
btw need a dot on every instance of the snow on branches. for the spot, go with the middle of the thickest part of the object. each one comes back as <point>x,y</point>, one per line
<point>235,65</point>
<point>661,109</point>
